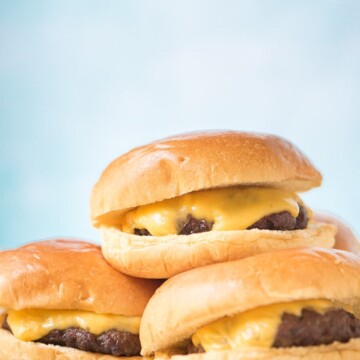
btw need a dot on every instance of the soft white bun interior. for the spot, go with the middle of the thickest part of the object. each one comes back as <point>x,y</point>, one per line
<point>166,256</point>
<point>335,351</point>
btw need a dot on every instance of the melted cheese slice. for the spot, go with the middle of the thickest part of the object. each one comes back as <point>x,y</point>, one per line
<point>228,208</point>
<point>257,327</point>
<point>33,324</point>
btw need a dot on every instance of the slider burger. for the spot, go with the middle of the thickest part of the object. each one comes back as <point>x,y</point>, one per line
<point>202,198</point>
<point>345,238</point>
<point>287,304</point>
<point>62,300</point>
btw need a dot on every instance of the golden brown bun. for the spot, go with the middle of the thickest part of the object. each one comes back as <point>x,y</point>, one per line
<point>166,256</point>
<point>14,349</point>
<point>198,297</point>
<point>335,351</point>
<point>345,238</point>
<point>181,164</point>
<point>69,274</point>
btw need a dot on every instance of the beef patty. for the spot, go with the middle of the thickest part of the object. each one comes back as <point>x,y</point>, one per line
<point>112,342</point>
<point>195,226</point>
<point>279,221</point>
<point>311,329</point>
<point>282,221</point>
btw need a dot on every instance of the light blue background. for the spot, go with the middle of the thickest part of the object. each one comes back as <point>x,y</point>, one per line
<point>83,81</point>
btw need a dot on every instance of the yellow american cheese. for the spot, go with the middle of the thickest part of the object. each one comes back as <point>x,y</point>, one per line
<point>33,324</point>
<point>257,327</point>
<point>228,208</point>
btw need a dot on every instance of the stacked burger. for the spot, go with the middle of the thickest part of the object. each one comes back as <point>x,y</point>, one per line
<point>251,272</point>
<point>203,198</point>
<point>62,300</point>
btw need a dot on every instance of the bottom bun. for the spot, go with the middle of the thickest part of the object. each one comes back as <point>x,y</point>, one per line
<point>335,351</point>
<point>345,238</point>
<point>173,254</point>
<point>13,349</point>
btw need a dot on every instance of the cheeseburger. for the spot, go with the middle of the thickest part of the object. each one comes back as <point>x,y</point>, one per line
<point>62,300</point>
<point>286,304</point>
<point>202,198</point>
<point>345,238</point>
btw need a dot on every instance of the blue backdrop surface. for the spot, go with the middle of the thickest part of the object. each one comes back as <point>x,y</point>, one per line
<point>83,81</point>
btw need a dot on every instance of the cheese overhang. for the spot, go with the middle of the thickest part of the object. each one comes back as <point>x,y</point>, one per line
<point>227,208</point>
<point>33,324</point>
<point>253,328</point>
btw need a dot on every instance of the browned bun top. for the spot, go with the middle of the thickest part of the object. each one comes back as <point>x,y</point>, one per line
<point>69,274</point>
<point>190,162</point>
<point>200,296</point>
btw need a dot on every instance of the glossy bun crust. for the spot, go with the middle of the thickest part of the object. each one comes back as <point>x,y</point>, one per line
<point>190,162</point>
<point>198,297</point>
<point>69,274</point>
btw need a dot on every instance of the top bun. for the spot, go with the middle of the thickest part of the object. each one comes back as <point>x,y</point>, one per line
<point>69,274</point>
<point>202,160</point>
<point>200,296</point>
